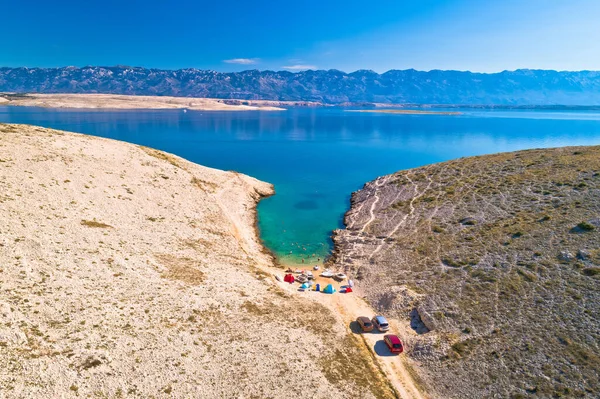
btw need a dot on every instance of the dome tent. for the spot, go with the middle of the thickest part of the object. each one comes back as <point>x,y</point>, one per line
<point>329,289</point>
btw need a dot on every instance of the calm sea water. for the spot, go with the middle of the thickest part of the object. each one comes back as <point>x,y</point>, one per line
<point>317,157</point>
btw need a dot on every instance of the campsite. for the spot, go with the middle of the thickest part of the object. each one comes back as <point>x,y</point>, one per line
<point>340,295</point>
<point>325,282</point>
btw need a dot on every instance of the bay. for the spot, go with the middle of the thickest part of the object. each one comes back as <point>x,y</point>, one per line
<point>317,157</point>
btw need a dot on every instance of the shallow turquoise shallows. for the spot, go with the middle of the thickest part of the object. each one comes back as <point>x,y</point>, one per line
<point>317,157</point>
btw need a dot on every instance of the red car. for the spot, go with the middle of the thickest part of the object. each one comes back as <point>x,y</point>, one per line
<point>393,343</point>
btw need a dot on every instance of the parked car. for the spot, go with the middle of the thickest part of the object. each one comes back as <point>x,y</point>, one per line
<point>364,323</point>
<point>393,343</point>
<point>381,323</point>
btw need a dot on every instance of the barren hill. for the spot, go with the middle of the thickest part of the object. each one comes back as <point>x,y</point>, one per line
<point>495,262</point>
<point>129,272</point>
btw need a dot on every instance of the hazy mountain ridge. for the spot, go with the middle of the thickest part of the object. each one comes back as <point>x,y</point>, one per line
<point>520,87</point>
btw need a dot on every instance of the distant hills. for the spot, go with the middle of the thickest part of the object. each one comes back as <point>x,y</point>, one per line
<point>520,87</point>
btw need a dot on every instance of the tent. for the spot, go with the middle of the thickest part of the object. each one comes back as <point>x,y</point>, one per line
<point>305,286</point>
<point>289,278</point>
<point>348,289</point>
<point>329,289</point>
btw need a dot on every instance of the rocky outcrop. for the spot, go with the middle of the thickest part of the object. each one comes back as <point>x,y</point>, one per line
<point>129,272</point>
<point>502,257</point>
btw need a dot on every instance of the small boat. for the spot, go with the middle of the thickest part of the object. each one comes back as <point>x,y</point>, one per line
<point>316,267</point>
<point>309,275</point>
<point>297,271</point>
<point>340,276</point>
<point>289,270</point>
<point>327,273</point>
<point>302,278</point>
<point>278,278</point>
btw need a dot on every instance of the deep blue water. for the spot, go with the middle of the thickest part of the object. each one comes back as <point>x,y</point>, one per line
<point>317,157</point>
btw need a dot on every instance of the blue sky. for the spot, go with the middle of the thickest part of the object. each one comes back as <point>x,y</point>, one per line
<point>476,35</point>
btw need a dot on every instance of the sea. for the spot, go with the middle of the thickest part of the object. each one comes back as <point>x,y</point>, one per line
<point>316,157</point>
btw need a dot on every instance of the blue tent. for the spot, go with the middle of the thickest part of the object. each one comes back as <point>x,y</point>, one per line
<point>305,286</point>
<point>329,289</point>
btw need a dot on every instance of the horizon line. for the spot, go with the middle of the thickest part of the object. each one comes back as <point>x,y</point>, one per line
<point>304,71</point>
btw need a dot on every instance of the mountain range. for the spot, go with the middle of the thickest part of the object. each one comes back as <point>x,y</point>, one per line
<point>513,88</point>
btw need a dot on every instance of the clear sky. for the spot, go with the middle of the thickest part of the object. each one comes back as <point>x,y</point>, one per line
<point>476,35</point>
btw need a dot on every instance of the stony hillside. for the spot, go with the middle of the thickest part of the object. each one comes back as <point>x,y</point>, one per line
<point>128,272</point>
<point>495,262</point>
<point>520,87</point>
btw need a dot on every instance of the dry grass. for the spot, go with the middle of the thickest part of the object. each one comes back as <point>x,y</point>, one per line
<point>353,365</point>
<point>182,269</point>
<point>162,156</point>
<point>94,223</point>
<point>204,185</point>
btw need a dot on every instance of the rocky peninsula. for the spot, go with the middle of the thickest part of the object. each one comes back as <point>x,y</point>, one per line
<point>130,272</point>
<point>494,261</point>
<point>114,101</point>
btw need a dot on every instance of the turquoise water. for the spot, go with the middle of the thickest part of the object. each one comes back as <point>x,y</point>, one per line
<point>317,157</point>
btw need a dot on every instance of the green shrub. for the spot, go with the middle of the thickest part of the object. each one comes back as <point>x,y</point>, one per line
<point>591,271</point>
<point>585,226</point>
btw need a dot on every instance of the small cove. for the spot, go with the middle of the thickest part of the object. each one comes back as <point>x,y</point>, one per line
<point>317,157</point>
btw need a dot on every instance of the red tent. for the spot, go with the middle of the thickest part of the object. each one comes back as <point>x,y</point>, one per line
<point>289,278</point>
<point>348,289</point>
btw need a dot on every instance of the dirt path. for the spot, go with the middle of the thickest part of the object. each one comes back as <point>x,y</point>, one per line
<point>349,307</point>
<point>379,183</point>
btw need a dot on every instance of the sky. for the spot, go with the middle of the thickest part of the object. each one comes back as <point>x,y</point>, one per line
<point>475,35</point>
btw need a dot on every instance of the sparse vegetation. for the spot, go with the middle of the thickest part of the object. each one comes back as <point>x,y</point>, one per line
<point>204,185</point>
<point>591,271</point>
<point>499,271</point>
<point>182,269</point>
<point>96,224</point>
<point>353,366</point>
<point>585,226</point>
<point>162,156</point>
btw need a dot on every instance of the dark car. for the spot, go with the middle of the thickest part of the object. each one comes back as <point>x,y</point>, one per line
<point>365,324</point>
<point>393,343</point>
<point>381,323</point>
